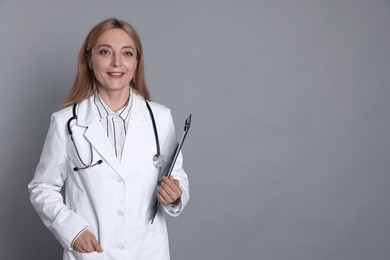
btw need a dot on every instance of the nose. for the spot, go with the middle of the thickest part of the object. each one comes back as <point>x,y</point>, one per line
<point>116,60</point>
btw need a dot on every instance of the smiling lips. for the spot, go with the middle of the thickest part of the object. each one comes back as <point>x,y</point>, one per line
<point>116,75</point>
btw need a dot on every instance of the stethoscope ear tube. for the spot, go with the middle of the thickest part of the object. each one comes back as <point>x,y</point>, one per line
<point>76,169</point>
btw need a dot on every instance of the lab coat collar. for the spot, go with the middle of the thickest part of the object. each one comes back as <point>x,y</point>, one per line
<point>86,117</point>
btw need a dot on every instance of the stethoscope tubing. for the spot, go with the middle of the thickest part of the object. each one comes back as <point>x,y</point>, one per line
<point>157,158</point>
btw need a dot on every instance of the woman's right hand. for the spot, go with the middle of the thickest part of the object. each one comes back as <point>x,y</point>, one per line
<point>87,243</point>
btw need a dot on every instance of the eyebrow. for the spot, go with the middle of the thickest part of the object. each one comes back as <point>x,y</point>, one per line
<point>124,47</point>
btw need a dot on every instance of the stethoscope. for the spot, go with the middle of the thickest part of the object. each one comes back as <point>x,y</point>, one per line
<point>158,160</point>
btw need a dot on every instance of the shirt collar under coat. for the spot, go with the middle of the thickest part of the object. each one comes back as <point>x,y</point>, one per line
<point>104,111</point>
<point>87,113</point>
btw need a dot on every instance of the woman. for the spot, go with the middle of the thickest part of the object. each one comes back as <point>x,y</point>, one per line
<point>102,147</point>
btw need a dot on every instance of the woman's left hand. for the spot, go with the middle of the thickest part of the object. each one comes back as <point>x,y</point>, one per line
<point>169,191</point>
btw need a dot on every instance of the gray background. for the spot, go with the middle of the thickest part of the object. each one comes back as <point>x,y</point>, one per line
<point>289,151</point>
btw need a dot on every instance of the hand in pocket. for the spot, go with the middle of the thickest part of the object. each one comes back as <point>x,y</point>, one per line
<point>87,243</point>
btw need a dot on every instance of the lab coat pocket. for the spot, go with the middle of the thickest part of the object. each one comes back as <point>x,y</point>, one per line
<point>89,256</point>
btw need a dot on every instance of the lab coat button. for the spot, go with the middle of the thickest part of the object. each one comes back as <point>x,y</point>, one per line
<point>122,247</point>
<point>120,213</point>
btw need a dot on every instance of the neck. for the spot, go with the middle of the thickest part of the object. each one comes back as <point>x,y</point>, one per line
<point>115,99</point>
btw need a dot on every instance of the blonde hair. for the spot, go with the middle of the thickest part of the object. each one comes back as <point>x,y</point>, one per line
<point>85,83</point>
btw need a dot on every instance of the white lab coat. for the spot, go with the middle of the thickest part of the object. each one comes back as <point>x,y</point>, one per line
<point>113,199</point>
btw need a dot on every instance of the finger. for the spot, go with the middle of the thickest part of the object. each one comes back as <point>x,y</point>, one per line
<point>95,244</point>
<point>88,247</point>
<point>173,179</point>
<point>165,195</point>
<point>174,189</point>
<point>86,243</point>
<point>82,243</point>
<point>84,247</point>
<point>161,199</point>
<point>166,188</point>
<point>173,194</point>
<point>176,183</point>
<point>171,183</point>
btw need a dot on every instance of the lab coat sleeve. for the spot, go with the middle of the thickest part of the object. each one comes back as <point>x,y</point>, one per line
<point>178,172</point>
<point>50,176</point>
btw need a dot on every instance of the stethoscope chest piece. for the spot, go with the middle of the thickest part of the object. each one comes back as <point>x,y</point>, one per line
<point>158,161</point>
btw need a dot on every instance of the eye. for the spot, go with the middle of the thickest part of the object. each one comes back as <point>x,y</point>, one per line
<point>104,52</point>
<point>128,53</point>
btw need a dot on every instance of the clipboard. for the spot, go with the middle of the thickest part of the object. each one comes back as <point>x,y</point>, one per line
<point>166,170</point>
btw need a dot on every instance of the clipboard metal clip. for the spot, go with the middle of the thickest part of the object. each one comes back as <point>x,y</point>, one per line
<point>187,123</point>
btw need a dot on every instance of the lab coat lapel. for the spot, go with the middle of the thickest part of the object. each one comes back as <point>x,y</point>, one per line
<point>95,133</point>
<point>138,117</point>
<point>96,136</point>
